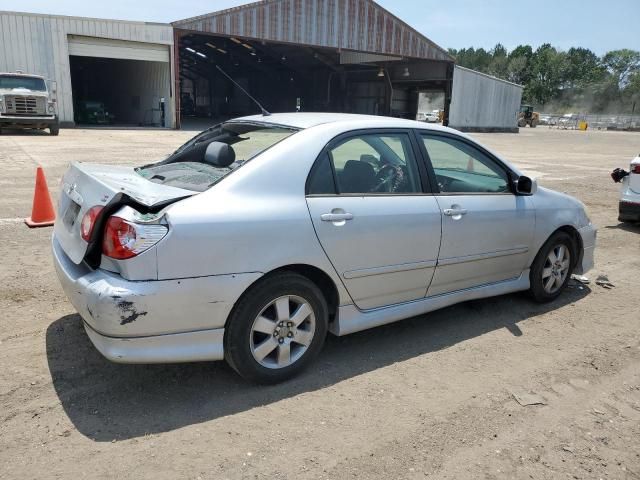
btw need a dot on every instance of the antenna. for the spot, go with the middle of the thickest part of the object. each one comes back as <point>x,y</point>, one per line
<point>264,110</point>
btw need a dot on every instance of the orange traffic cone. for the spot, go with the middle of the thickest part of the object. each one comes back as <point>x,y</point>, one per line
<point>42,213</point>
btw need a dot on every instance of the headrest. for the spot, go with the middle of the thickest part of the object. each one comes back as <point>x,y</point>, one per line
<point>366,157</point>
<point>219,154</point>
<point>356,167</point>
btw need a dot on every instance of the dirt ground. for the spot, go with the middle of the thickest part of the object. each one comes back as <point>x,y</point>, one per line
<point>429,397</point>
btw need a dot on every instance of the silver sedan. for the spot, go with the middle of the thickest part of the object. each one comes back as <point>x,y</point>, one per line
<point>262,234</point>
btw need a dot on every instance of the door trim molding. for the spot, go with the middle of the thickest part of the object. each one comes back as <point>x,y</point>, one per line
<point>483,256</point>
<point>404,267</point>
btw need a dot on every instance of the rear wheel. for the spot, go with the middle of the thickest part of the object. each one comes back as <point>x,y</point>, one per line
<point>276,329</point>
<point>552,267</point>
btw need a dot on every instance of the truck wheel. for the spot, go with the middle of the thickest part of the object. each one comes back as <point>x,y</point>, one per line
<point>534,124</point>
<point>54,129</point>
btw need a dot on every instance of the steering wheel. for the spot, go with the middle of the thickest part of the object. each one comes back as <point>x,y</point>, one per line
<point>388,178</point>
<point>443,182</point>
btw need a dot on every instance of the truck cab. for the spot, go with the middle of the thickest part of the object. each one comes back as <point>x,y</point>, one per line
<point>26,102</point>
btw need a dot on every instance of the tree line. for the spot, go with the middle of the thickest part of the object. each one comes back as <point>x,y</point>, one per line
<point>557,81</point>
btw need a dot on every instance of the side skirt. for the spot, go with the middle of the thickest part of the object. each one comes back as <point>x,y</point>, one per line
<point>351,320</point>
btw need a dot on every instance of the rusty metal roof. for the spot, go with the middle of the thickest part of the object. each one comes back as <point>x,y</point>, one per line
<point>360,25</point>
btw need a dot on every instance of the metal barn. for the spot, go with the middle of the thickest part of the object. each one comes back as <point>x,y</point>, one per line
<point>126,66</point>
<point>309,55</point>
<point>313,55</point>
<point>482,103</point>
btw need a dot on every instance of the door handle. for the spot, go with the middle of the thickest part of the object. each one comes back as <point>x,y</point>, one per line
<point>336,217</point>
<point>452,212</point>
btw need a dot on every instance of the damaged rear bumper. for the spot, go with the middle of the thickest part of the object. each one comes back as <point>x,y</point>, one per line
<point>628,211</point>
<point>152,321</point>
<point>177,347</point>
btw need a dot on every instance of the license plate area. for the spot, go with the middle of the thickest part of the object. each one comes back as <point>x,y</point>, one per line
<point>71,214</point>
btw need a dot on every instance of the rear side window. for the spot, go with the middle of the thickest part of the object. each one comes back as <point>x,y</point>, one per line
<point>367,164</point>
<point>321,181</point>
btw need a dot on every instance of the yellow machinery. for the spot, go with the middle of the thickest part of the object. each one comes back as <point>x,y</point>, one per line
<point>528,117</point>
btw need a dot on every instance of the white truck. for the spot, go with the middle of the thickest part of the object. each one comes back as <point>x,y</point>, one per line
<point>26,102</point>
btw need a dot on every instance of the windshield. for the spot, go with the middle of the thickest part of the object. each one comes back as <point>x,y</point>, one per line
<point>18,81</point>
<point>187,167</point>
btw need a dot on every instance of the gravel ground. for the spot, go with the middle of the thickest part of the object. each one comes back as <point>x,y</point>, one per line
<point>428,397</point>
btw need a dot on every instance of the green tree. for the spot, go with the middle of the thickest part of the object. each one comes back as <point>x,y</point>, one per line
<point>546,67</point>
<point>622,64</point>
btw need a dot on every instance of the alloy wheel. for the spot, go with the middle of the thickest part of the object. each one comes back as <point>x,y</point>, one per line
<point>282,332</point>
<point>556,268</point>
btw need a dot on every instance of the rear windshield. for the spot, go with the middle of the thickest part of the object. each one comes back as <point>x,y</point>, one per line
<point>31,83</point>
<point>187,167</point>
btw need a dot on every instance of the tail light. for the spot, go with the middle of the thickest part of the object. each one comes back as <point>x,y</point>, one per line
<point>635,168</point>
<point>88,221</point>
<point>124,239</point>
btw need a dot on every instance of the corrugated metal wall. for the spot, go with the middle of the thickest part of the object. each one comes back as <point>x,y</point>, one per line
<point>38,44</point>
<point>483,103</point>
<point>350,24</point>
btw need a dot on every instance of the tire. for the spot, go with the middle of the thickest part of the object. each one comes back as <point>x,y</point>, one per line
<point>54,129</point>
<point>543,272</point>
<point>522,123</point>
<point>256,326</point>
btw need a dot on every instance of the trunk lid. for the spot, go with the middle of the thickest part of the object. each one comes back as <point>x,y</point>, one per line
<point>86,185</point>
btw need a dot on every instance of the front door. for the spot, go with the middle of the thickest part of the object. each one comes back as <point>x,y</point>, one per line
<point>486,229</point>
<point>379,228</point>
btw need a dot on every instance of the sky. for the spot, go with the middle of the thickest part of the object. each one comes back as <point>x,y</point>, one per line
<point>595,24</point>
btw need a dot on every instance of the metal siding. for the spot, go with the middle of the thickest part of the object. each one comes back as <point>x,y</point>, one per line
<point>350,24</point>
<point>38,44</point>
<point>482,102</point>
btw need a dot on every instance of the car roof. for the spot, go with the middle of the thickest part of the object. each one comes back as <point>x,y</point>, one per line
<point>304,120</point>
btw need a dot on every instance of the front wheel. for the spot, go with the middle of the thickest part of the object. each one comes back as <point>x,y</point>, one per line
<point>54,129</point>
<point>276,329</point>
<point>552,267</point>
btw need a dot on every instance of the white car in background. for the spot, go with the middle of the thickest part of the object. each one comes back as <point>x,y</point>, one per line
<point>260,235</point>
<point>629,204</point>
<point>429,117</point>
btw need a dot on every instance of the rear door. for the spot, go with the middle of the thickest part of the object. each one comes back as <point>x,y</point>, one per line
<point>486,228</point>
<point>378,225</point>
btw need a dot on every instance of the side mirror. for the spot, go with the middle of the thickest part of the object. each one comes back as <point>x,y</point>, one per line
<point>526,186</point>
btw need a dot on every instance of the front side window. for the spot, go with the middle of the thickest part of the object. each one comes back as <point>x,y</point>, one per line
<point>461,168</point>
<point>373,164</point>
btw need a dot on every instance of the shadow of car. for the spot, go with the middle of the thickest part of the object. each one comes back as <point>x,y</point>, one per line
<point>107,401</point>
